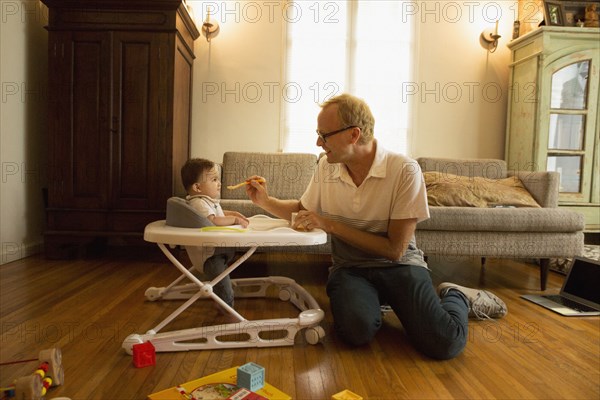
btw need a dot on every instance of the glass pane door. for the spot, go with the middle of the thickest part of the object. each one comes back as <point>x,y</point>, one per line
<point>569,168</point>
<point>566,129</point>
<point>569,87</point>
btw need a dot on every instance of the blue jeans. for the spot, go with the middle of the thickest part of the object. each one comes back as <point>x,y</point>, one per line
<point>213,267</point>
<point>437,328</point>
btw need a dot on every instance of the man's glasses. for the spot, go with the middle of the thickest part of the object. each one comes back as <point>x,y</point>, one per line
<point>324,136</point>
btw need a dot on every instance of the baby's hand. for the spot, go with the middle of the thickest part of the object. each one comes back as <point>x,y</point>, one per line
<point>242,221</point>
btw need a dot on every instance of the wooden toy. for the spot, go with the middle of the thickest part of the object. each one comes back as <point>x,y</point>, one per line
<point>48,374</point>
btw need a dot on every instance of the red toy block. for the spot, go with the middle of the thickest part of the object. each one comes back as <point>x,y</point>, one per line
<point>144,355</point>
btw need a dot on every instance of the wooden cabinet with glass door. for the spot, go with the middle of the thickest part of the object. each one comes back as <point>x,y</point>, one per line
<point>553,117</point>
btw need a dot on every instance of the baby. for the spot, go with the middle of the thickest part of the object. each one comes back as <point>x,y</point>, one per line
<point>202,182</point>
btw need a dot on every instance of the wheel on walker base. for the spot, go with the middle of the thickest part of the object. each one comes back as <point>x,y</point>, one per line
<point>284,295</point>
<point>314,334</point>
<point>153,293</point>
<point>130,341</point>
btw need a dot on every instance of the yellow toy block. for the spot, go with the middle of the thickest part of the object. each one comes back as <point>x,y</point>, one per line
<point>346,395</point>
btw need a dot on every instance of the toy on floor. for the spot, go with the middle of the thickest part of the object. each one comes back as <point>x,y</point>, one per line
<point>144,355</point>
<point>184,393</point>
<point>346,395</point>
<point>48,374</point>
<point>251,376</point>
<point>222,384</point>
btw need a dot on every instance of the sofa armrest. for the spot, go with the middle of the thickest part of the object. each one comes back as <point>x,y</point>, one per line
<point>543,186</point>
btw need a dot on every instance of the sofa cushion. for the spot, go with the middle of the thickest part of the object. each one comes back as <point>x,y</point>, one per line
<point>445,189</point>
<point>287,174</point>
<point>470,219</point>
<point>499,244</point>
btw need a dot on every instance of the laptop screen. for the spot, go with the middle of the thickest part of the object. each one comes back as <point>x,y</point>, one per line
<point>584,280</point>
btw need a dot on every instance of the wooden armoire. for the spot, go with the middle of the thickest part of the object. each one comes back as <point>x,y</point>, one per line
<point>119,91</point>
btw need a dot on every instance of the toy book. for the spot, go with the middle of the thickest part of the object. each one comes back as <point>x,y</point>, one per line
<point>218,386</point>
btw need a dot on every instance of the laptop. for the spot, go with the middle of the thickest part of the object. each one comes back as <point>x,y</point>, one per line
<point>580,293</point>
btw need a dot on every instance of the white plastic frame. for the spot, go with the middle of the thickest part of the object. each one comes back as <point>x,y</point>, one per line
<point>262,231</point>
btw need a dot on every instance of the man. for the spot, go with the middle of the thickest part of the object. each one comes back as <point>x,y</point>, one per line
<point>370,201</point>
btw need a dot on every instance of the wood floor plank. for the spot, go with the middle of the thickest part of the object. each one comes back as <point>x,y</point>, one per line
<point>87,307</point>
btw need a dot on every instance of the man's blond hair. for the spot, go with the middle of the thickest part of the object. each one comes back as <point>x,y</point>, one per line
<point>354,111</point>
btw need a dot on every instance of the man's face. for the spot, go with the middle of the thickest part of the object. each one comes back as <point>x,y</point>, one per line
<point>333,146</point>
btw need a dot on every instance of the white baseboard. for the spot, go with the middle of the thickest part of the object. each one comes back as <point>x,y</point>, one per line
<point>16,251</point>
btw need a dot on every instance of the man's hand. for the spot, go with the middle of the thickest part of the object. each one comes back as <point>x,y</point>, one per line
<point>309,220</point>
<point>257,190</point>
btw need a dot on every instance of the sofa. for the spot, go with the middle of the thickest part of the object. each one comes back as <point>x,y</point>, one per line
<point>501,231</point>
<point>539,231</point>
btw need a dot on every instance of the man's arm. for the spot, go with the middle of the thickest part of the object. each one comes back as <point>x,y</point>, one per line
<point>257,192</point>
<point>392,247</point>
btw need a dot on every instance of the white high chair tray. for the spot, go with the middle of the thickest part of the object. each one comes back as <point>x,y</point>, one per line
<point>262,231</point>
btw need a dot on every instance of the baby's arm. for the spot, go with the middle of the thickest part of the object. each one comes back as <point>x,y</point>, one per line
<point>230,218</point>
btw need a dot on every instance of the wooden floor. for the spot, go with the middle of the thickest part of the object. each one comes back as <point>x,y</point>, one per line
<point>88,306</point>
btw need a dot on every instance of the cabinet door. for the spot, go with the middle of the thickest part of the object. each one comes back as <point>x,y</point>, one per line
<point>79,93</point>
<point>141,151</point>
<point>568,124</point>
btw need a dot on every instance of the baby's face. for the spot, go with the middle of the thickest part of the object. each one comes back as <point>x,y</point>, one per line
<point>210,183</point>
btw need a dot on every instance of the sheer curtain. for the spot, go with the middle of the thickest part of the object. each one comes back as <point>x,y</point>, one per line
<point>361,47</point>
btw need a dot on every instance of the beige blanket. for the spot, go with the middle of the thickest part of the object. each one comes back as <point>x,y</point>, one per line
<point>445,189</point>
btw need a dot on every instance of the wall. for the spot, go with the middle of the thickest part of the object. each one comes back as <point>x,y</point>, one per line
<point>461,102</point>
<point>22,127</point>
<point>237,92</point>
<point>459,92</point>
<point>230,114</point>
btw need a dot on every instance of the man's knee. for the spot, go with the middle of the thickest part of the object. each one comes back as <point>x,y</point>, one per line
<point>441,347</point>
<point>357,331</point>
<point>446,351</point>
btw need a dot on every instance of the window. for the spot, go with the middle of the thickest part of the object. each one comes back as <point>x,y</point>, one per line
<point>360,47</point>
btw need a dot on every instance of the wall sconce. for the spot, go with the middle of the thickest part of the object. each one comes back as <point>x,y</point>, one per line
<point>210,28</point>
<point>489,39</point>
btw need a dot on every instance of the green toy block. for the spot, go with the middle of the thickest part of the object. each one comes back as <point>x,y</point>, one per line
<point>251,376</point>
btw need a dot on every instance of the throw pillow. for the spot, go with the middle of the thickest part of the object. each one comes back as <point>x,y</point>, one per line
<point>445,189</point>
